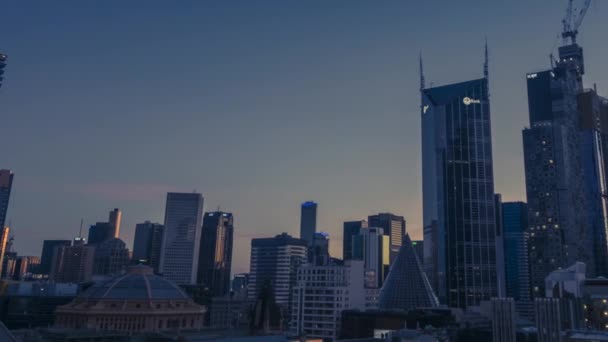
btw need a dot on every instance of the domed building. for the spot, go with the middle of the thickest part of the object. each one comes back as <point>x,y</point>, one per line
<point>136,302</point>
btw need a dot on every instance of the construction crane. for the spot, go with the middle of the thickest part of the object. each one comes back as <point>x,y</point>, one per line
<point>573,20</point>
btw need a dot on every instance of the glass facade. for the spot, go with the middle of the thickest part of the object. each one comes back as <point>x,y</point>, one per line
<point>515,225</point>
<point>308,222</point>
<point>215,257</point>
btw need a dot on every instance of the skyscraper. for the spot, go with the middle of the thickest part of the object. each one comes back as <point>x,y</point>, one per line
<point>4,237</point>
<point>181,239</point>
<point>147,244</point>
<point>373,247</point>
<point>351,229</point>
<point>111,257</point>
<point>3,58</point>
<point>308,222</point>
<point>48,248</point>
<point>565,171</point>
<point>215,257</point>
<point>515,226</point>
<point>114,220</point>
<point>100,232</point>
<point>6,183</point>
<point>394,228</point>
<point>72,264</point>
<point>319,253</point>
<point>458,192</point>
<point>274,262</point>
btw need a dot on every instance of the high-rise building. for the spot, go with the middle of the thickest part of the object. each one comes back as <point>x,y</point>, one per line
<point>239,285</point>
<point>215,257</point>
<point>503,320</point>
<point>373,247</point>
<point>458,192</point>
<point>181,238</point>
<point>319,253</point>
<point>72,264</point>
<point>114,220</point>
<point>274,262</point>
<point>351,229</point>
<point>308,221</point>
<point>100,232</point>
<point>6,183</point>
<point>565,170</point>
<point>147,244</point>
<point>320,295</point>
<point>111,257</point>
<point>4,237</point>
<point>48,248</point>
<point>3,58</point>
<point>517,273</point>
<point>407,287</point>
<point>394,228</point>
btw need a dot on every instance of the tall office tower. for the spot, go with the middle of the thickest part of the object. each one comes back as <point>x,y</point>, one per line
<point>320,295</point>
<point>239,285</point>
<point>4,237</point>
<point>100,232</point>
<point>458,192</point>
<point>6,183</point>
<point>274,262</point>
<point>147,244</point>
<point>72,264</point>
<point>308,221</point>
<point>565,170</point>
<point>3,58</point>
<point>215,258</point>
<point>181,239</point>
<point>48,248</point>
<point>407,287</point>
<point>111,257</point>
<point>500,248</point>
<point>394,228</point>
<point>319,253</point>
<point>515,226</point>
<point>114,220</point>
<point>351,229</point>
<point>373,247</point>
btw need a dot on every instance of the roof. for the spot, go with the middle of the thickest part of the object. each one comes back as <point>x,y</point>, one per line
<point>445,94</point>
<point>138,283</point>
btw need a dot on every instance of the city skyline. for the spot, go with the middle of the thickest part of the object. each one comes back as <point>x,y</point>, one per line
<point>75,182</point>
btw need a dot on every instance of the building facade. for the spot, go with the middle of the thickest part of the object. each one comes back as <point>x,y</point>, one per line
<point>393,226</point>
<point>308,221</point>
<point>72,264</point>
<point>373,247</point>
<point>458,192</point>
<point>6,184</point>
<point>3,58</point>
<point>503,320</point>
<point>114,221</point>
<point>48,249</point>
<point>350,229</point>
<point>4,237</point>
<point>215,257</point>
<point>147,244</point>
<point>111,257</point>
<point>320,295</point>
<point>181,238</point>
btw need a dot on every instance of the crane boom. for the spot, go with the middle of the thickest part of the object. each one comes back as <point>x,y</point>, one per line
<point>572,21</point>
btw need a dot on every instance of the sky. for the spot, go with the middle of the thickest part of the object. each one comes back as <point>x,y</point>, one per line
<point>258,105</point>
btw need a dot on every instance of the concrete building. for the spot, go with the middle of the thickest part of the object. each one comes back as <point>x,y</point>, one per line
<point>373,247</point>
<point>393,226</point>
<point>147,244</point>
<point>48,248</point>
<point>308,221</point>
<point>350,230</point>
<point>72,264</point>
<point>114,221</point>
<point>181,238</point>
<point>503,320</point>
<point>459,214</point>
<point>215,257</point>
<point>100,232</point>
<point>320,295</point>
<point>275,261</point>
<point>136,303</point>
<point>111,257</point>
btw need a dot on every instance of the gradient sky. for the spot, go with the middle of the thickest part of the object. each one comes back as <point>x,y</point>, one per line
<point>259,105</point>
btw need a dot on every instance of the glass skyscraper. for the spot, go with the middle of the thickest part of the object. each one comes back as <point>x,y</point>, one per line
<point>6,184</point>
<point>515,226</point>
<point>215,257</point>
<point>181,238</point>
<point>394,228</point>
<point>308,222</point>
<point>351,229</point>
<point>147,244</point>
<point>458,192</point>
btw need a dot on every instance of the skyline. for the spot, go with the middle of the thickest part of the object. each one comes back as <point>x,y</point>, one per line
<point>361,79</point>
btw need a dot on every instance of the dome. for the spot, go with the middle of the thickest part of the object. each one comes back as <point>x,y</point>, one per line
<point>138,283</point>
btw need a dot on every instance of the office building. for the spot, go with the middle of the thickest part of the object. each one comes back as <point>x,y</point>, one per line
<point>308,221</point>
<point>458,192</point>
<point>393,227</point>
<point>515,231</point>
<point>100,232</point>
<point>147,244</point>
<point>229,312</point>
<point>111,257</point>
<point>320,295</point>
<point>6,184</point>
<point>181,238</point>
<point>3,58</point>
<point>319,252</point>
<point>407,287</point>
<point>351,228</point>
<point>274,262</point>
<point>137,302</point>
<point>72,264</point>
<point>4,238</point>
<point>504,322</point>
<point>25,267</point>
<point>114,221</point>
<point>48,248</point>
<point>239,285</point>
<point>373,247</point>
<point>215,257</point>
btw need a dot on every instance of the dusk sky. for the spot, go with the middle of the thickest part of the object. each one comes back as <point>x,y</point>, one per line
<point>258,105</point>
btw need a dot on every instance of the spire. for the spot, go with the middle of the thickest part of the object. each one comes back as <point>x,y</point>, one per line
<point>422,85</point>
<point>486,73</point>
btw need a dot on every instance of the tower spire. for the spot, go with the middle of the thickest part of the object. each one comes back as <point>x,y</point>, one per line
<point>422,82</point>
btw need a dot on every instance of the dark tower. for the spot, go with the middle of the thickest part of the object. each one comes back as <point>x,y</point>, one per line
<point>215,257</point>
<point>308,222</point>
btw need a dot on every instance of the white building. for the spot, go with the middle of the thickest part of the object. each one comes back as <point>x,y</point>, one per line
<point>320,295</point>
